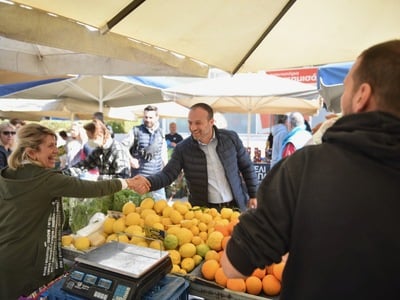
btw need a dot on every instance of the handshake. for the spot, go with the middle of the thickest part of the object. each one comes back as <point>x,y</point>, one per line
<point>139,184</point>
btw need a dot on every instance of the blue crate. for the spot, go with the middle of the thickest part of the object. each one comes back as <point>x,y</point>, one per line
<point>168,288</point>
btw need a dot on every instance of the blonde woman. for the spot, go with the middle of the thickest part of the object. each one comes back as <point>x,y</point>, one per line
<point>31,211</point>
<point>7,140</point>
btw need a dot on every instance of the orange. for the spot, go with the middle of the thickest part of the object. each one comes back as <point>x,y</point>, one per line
<point>223,229</point>
<point>220,277</point>
<point>225,241</point>
<point>232,224</point>
<point>209,268</point>
<point>277,270</point>
<point>236,284</point>
<point>269,269</point>
<point>260,273</point>
<point>271,285</point>
<point>253,285</point>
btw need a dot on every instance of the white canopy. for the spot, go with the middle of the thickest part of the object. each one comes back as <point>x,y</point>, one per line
<point>240,35</point>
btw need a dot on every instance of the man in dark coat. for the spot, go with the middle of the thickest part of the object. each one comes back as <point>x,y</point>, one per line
<point>334,207</point>
<point>218,170</point>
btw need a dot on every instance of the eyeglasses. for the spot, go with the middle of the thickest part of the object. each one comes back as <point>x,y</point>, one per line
<point>9,132</point>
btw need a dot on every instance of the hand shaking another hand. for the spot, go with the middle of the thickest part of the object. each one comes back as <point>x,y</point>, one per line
<point>139,184</point>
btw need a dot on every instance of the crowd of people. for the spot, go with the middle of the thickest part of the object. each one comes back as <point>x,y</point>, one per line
<point>329,202</point>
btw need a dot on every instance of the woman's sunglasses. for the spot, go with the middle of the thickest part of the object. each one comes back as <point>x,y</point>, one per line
<point>9,132</point>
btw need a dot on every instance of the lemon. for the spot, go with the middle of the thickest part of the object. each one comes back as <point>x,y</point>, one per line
<point>173,229</point>
<point>226,212</point>
<point>189,215</point>
<point>206,218</point>
<point>175,217</point>
<point>66,240</point>
<point>184,236</point>
<point>196,240</point>
<point>112,237</point>
<point>132,218</point>
<point>158,226</point>
<point>175,256</point>
<point>138,238</point>
<point>133,229</point>
<point>82,243</point>
<point>202,249</point>
<point>128,207</point>
<point>147,203</point>
<point>156,244</point>
<point>108,225</point>
<point>175,268</point>
<point>214,240</point>
<point>151,219</point>
<point>180,207</point>
<point>235,215</point>
<point>187,250</point>
<point>211,255</point>
<point>171,242</point>
<point>186,223</point>
<point>197,259</point>
<point>122,238</point>
<point>167,211</point>
<point>147,211</point>
<point>166,221</point>
<point>119,225</point>
<point>203,235</point>
<point>187,264</point>
<point>202,226</point>
<point>160,205</point>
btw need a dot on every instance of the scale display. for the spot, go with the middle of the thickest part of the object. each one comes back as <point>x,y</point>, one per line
<point>117,271</point>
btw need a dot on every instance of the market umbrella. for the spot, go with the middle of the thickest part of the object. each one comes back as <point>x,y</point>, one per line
<point>35,110</point>
<point>241,35</point>
<point>330,83</point>
<point>248,93</point>
<point>105,91</point>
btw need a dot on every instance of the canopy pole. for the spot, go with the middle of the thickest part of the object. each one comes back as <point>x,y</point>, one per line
<point>248,127</point>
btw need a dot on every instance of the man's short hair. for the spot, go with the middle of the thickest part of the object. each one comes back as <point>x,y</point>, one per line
<point>206,107</point>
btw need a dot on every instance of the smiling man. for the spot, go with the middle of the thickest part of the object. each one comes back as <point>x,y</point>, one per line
<point>217,168</point>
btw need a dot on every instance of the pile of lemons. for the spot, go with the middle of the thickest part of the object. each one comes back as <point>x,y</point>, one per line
<point>189,234</point>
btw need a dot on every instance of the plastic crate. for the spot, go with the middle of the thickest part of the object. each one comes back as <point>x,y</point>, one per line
<point>168,288</point>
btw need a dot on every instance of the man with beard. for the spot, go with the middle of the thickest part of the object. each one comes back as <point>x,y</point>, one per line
<point>147,147</point>
<point>334,206</point>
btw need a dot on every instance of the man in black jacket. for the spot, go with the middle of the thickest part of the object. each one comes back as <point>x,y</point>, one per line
<point>218,170</point>
<point>334,207</point>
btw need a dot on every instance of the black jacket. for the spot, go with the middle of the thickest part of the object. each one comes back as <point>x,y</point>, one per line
<point>335,208</point>
<point>188,156</point>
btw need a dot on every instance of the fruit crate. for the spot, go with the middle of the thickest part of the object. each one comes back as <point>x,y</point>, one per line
<point>198,286</point>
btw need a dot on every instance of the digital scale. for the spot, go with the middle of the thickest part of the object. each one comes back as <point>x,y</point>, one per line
<point>117,271</point>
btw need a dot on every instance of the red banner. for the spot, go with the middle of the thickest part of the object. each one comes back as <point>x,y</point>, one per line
<point>304,75</point>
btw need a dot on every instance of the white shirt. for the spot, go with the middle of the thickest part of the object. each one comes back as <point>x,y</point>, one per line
<point>219,190</point>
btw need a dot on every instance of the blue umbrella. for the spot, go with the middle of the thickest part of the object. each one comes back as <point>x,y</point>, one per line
<point>6,89</point>
<point>330,83</point>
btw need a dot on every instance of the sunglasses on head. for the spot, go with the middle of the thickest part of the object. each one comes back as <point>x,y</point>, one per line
<point>9,132</point>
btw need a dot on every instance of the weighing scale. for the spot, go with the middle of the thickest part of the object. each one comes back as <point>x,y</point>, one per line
<point>117,271</point>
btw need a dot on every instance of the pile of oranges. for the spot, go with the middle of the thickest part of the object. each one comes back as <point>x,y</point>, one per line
<point>267,280</point>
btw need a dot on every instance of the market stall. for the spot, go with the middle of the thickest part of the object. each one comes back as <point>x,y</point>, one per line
<point>142,249</point>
